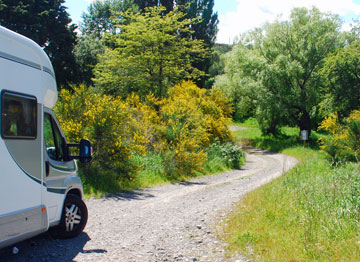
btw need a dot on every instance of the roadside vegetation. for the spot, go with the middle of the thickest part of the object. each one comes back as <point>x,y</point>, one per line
<point>287,76</point>
<point>139,143</point>
<point>309,214</point>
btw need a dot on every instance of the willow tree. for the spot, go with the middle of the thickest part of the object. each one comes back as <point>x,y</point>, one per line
<point>149,54</point>
<point>279,66</point>
<point>342,72</point>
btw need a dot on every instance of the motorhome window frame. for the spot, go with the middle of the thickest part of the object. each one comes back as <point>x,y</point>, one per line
<point>22,95</point>
<point>56,131</point>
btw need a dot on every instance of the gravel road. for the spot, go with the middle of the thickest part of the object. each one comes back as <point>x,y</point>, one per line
<point>175,222</point>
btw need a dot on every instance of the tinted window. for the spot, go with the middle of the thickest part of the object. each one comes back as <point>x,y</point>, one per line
<point>18,116</point>
<point>53,139</point>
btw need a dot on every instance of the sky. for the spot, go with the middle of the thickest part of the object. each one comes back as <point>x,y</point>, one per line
<point>238,16</point>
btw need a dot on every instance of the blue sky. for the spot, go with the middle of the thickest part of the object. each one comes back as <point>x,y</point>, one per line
<point>77,7</point>
<point>239,16</point>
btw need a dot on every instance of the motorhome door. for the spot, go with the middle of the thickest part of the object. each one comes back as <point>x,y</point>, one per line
<point>57,167</point>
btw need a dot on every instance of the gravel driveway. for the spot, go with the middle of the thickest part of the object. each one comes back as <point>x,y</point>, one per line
<point>174,222</point>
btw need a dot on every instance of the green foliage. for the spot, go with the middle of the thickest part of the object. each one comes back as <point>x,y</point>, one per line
<point>87,50</point>
<point>165,139</point>
<point>98,19</point>
<point>341,70</point>
<point>343,144</point>
<point>288,137</point>
<point>202,10</point>
<point>276,69</point>
<point>217,65</point>
<point>150,54</point>
<point>230,154</point>
<point>47,23</point>
<point>203,28</point>
<point>109,124</point>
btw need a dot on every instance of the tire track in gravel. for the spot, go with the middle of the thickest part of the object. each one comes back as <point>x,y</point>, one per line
<point>173,222</point>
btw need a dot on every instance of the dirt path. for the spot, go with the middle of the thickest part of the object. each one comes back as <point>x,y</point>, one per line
<point>168,223</point>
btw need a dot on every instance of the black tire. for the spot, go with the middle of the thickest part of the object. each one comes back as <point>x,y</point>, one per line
<point>74,217</point>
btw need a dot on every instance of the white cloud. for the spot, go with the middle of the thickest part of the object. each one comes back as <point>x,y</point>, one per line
<point>253,13</point>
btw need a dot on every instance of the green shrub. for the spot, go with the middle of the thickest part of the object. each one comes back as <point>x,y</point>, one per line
<point>230,154</point>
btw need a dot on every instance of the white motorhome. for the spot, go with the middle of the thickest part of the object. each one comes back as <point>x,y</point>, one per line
<point>39,186</point>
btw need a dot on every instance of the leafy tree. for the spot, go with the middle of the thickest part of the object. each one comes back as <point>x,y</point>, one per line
<point>150,54</point>
<point>281,66</point>
<point>342,72</point>
<point>204,26</point>
<point>86,54</point>
<point>98,19</point>
<point>217,63</point>
<point>239,82</point>
<point>47,23</point>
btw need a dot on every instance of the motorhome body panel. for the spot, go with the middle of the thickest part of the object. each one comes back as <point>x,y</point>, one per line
<point>21,51</point>
<point>21,197</point>
<point>27,153</point>
<point>13,229</point>
<point>25,71</point>
<point>34,185</point>
<point>20,159</point>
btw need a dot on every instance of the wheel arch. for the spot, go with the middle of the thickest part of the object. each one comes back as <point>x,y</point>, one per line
<point>74,187</point>
<point>76,192</point>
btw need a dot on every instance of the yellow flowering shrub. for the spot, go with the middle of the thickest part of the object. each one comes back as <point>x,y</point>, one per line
<point>191,120</point>
<point>343,144</point>
<point>108,123</point>
<point>180,128</point>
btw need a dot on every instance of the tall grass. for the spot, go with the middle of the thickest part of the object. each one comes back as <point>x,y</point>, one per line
<point>309,214</point>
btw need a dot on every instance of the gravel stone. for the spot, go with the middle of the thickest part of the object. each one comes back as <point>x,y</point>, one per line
<point>175,222</point>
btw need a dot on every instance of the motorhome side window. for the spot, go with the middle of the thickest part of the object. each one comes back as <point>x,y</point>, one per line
<point>18,116</point>
<point>53,139</point>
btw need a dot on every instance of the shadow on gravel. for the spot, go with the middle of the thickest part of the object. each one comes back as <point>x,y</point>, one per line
<point>189,183</point>
<point>45,248</point>
<point>129,195</point>
<point>257,151</point>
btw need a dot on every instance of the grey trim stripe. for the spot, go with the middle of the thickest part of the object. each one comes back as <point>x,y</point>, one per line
<point>49,71</point>
<point>39,207</point>
<point>26,62</point>
<point>56,190</point>
<point>20,60</point>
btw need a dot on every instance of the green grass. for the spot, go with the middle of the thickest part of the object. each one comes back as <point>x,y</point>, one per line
<point>309,214</point>
<point>288,138</point>
<point>151,171</point>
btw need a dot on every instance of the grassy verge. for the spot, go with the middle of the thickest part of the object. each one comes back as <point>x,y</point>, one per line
<point>309,214</point>
<point>151,171</point>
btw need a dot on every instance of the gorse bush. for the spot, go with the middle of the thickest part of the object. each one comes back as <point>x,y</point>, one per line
<point>179,128</point>
<point>108,123</point>
<point>343,144</point>
<point>191,119</point>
